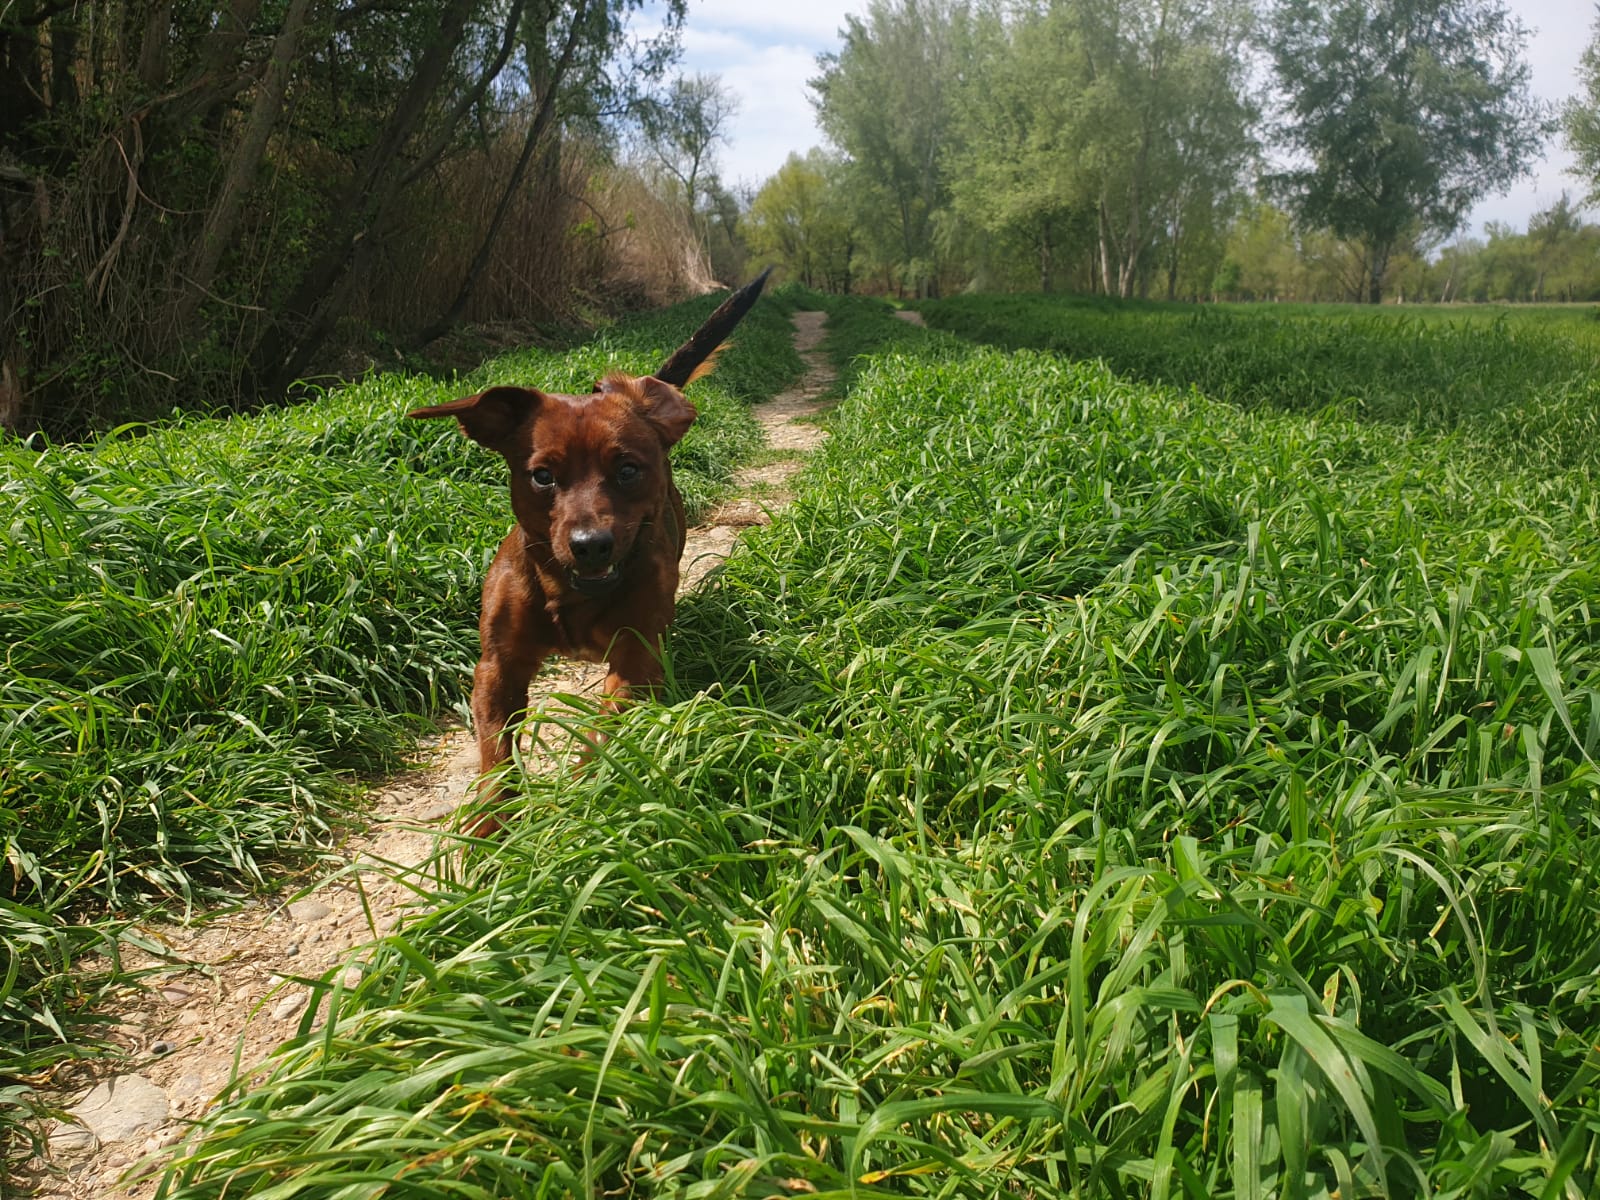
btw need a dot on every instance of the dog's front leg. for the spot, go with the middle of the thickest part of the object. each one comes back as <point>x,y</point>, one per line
<point>499,692</point>
<point>635,670</point>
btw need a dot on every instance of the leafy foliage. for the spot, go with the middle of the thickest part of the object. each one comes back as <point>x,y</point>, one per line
<point>1410,111</point>
<point>1580,117</point>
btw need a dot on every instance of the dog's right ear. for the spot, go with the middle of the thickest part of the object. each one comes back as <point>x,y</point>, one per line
<point>490,417</point>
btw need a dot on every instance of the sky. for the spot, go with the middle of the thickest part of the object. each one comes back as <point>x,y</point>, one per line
<point>766,51</point>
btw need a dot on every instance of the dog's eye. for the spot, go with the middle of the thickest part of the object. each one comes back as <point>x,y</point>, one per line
<point>627,472</point>
<point>543,477</point>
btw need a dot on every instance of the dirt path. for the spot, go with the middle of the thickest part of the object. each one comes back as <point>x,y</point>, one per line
<point>232,985</point>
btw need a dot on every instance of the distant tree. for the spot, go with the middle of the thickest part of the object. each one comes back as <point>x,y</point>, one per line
<point>1580,117</point>
<point>1012,167</point>
<point>886,101</point>
<point>682,129</point>
<point>1407,113</point>
<point>1120,130</point>
<point>1553,234</point>
<point>1261,242</point>
<point>800,219</point>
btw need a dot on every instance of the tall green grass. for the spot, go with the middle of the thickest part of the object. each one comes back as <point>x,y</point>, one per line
<point>216,629</point>
<point>1085,789</point>
<point>1501,379</point>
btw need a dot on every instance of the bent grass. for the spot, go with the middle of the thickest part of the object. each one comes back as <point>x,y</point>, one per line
<point>1084,789</point>
<point>215,630</point>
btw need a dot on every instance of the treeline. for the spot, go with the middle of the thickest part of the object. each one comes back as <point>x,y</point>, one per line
<point>201,203</point>
<point>1556,259</point>
<point>1133,148</point>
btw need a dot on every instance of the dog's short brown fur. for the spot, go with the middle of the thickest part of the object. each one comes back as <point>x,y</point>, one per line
<point>591,570</point>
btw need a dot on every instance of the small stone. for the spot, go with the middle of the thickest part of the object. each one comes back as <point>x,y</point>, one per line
<point>72,1139</point>
<point>292,948</point>
<point>162,1139</point>
<point>123,1108</point>
<point>306,911</point>
<point>288,1006</point>
<point>436,812</point>
<point>352,978</point>
<point>160,1049</point>
<point>176,994</point>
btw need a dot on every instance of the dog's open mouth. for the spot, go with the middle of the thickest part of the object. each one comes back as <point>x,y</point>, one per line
<point>594,583</point>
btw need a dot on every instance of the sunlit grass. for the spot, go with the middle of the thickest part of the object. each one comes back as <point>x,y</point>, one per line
<point>1501,378</point>
<point>215,630</point>
<point>1086,789</point>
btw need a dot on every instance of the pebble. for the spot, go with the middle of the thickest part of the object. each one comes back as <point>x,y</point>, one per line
<point>175,994</point>
<point>306,911</point>
<point>288,1006</point>
<point>192,1084</point>
<point>72,1139</point>
<point>122,1108</point>
<point>437,812</point>
<point>160,1049</point>
<point>292,948</point>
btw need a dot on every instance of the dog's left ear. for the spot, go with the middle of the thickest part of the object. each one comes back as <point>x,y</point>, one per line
<point>490,417</point>
<point>665,407</point>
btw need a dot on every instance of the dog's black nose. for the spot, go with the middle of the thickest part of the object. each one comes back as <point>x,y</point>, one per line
<point>591,547</point>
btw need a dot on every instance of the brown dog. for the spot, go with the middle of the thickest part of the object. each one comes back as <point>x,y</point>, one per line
<point>591,570</point>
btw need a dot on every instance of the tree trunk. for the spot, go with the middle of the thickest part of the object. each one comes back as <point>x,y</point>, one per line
<point>222,222</point>
<point>153,47</point>
<point>1377,264</point>
<point>307,318</point>
<point>549,88</point>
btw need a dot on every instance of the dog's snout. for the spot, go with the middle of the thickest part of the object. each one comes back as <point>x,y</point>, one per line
<point>591,547</point>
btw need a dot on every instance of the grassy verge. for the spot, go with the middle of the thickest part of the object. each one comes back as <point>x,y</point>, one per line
<point>1525,380</point>
<point>1084,789</point>
<point>217,628</point>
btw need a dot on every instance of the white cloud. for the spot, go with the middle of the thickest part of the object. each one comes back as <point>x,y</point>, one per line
<point>809,22</point>
<point>775,116</point>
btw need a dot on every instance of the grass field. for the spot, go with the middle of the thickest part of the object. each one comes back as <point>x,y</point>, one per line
<point>1088,788</point>
<point>216,629</point>
<point>1495,376</point>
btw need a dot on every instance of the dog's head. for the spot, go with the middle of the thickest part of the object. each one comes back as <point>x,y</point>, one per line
<point>588,473</point>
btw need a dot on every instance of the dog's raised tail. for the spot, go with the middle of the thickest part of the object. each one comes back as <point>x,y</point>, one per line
<point>686,361</point>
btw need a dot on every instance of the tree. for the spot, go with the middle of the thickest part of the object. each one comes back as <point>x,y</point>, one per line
<point>683,128</point>
<point>1580,117</point>
<point>800,218</point>
<point>201,192</point>
<point>885,100</point>
<point>1406,112</point>
<point>1553,234</point>
<point>1126,120</point>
